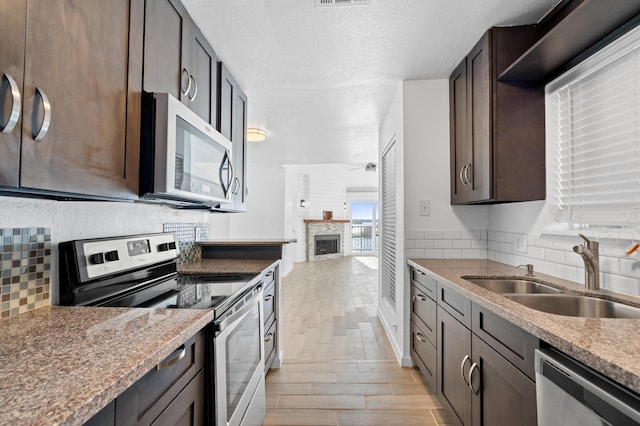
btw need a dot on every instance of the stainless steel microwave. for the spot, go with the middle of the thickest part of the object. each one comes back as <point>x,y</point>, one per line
<point>183,160</point>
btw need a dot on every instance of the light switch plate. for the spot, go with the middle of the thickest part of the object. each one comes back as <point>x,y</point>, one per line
<point>521,245</point>
<point>424,208</point>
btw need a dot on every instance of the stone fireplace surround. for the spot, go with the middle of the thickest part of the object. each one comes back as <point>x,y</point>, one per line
<point>324,227</point>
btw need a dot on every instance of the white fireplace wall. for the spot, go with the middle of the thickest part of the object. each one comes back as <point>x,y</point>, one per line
<point>321,195</point>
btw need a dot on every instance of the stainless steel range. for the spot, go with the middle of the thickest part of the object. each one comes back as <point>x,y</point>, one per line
<point>141,271</point>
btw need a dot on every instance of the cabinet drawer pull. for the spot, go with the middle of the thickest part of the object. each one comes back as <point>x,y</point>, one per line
<point>467,173</point>
<point>419,272</point>
<point>473,367</point>
<point>268,274</point>
<point>464,361</point>
<point>184,71</point>
<point>195,88</point>
<point>421,297</point>
<point>268,337</point>
<point>421,337</point>
<point>46,120</point>
<point>16,105</point>
<point>268,298</point>
<point>175,356</point>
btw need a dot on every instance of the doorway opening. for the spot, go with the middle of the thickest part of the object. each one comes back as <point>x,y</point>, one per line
<point>365,227</point>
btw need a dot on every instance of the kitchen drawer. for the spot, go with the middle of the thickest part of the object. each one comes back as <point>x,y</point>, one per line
<point>269,302</point>
<point>270,348</point>
<point>425,282</point>
<point>269,276</point>
<point>454,303</point>
<point>423,353</point>
<point>146,399</point>
<point>510,341</point>
<point>423,310</point>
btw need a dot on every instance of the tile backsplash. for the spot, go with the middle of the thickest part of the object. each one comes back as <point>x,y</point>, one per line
<point>446,244</point>
<point>25,269</point>
<point>187,235</point>
<point>552,255</point>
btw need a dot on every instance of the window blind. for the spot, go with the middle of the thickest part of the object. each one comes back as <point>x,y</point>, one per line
<point>595,117</point>
<point>388,254</point>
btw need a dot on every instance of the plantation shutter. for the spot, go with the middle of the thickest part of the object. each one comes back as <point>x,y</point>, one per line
<point>389,225</point>
<point>595,116</point>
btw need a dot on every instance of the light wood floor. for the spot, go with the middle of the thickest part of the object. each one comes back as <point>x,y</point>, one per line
<point>338,366</point>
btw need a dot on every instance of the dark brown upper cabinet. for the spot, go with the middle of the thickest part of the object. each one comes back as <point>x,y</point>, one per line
<point>178,59</point>
<point>497,128</point>
<point>71,77</point>
<point>233,125</point>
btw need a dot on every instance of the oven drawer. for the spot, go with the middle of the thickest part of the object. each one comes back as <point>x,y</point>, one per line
<point>270,346</point>
<point>146,399</point>
<point>269,306</point>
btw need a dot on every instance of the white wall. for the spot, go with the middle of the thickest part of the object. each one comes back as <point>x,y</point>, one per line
<point>419,119</point>
<point>71,220</point>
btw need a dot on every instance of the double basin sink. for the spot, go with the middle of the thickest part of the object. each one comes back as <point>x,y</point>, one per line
<point>549,299</point>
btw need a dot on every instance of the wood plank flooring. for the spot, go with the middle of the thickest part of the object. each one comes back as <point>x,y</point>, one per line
<point>338,366</point>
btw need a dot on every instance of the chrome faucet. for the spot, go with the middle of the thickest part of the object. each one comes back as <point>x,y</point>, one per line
<point>590,256</point>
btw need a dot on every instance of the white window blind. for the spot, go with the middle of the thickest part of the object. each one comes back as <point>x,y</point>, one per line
<point>594,111</point>
<point>389,225</point>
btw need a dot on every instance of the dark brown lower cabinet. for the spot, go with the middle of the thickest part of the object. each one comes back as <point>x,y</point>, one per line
<point>505,395</point>
<point>187,409</point>
<point>454,346</point>
<point>477,384</point>
<point>172,393</point>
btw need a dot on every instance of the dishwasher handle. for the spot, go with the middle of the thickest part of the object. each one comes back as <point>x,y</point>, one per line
<point>611,402</point>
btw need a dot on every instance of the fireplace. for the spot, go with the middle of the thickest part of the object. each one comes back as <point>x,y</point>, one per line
<point>326,244</point>
<point>325,238</point>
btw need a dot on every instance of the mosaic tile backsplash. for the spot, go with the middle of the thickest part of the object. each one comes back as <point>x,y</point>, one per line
<point>25,269</point>
<point>187,235</point>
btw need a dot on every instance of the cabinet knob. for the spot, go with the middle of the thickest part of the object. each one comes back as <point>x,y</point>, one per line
<point>16,105</point>
<point>185,92</point>
<point>462,174</point>
<point>46,120</point>
<point>471,370</point>
<point>195,88</point>
<point>464,361</point>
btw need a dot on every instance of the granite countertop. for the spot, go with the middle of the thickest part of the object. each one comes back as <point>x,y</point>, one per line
<point>608,345</point>
<point>249,242</point>
<point>224,266</point>
<point>61,365</point>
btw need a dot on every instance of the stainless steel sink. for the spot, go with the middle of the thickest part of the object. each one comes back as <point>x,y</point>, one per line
<point>575,306</point>
<point>505,286</point>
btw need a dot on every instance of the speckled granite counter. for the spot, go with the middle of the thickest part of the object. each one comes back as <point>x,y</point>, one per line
<point>608,345</point>
<point>225,266</point>
<point>61,365</point>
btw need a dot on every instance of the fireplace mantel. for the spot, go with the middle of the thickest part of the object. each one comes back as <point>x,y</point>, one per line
<point>326,221</point>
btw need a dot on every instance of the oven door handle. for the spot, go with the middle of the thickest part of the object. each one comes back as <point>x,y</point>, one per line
<point>219,326</point>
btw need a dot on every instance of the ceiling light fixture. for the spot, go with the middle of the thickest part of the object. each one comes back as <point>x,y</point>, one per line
<point>256,135</point>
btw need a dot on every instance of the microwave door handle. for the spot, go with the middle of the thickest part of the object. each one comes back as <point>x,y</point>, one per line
<point>226,184</point>
<point>230,175</point>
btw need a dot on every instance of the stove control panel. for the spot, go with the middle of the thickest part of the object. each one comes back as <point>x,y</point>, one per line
<point>108,256</point>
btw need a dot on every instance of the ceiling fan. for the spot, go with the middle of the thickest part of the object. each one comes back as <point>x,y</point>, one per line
<point>368,167</point>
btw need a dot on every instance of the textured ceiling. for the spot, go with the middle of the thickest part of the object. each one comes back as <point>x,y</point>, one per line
<point>320,80</point>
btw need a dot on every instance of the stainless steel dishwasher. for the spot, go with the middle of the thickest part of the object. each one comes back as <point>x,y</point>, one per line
<point>568,393</point>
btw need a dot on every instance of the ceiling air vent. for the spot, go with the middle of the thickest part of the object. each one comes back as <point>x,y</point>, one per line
<point>333,3</point>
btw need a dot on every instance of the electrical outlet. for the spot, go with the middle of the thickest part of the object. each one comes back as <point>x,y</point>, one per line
<point>425,208</point>
<point>521,245</point>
